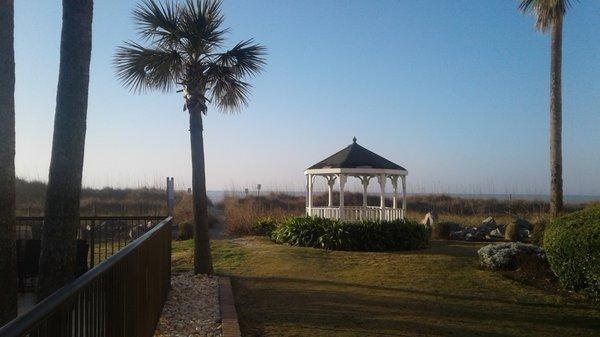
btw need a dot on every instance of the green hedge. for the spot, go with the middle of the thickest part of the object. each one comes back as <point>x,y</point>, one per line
<point>356,236</point>
<point>264,226</point>
<point>572,244</point>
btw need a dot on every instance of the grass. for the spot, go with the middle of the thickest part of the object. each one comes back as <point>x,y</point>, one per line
<point>294,291</point>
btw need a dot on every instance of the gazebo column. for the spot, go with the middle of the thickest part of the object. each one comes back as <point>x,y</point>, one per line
<point>330,182</point>
<point>395,186</point>
<point>382,179</point>
<point>309,187</point>
<point>403,196</point>
<point>365,184</point>
<point>343,179</point>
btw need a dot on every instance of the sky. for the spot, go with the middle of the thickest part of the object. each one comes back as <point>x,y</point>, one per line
<point>454,91</point>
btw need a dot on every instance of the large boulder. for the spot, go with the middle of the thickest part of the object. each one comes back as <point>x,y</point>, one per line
<point>505,256</point>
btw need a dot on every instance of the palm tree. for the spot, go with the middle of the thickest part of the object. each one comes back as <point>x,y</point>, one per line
<point>57,260</point>
<point>549,15</point>
<point>184,51</point>
<point>8,276</point>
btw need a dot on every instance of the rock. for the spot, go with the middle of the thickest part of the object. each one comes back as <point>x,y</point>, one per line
<point>458,235</point>
<point>496,233</point>
<point>504,256</point>
<point>524,233</point>
<point>478,236</point>
<point>484,230</point>
<point>192,307</point>
<point>489,222</point>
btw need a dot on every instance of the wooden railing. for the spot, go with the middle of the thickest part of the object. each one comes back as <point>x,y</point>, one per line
<point>357,213</point>
<point>121,297</point>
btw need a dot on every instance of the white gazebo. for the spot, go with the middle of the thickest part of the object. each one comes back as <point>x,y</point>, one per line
<point>356,161</point>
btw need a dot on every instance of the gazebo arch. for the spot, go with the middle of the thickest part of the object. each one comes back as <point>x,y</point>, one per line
<point>356,161</point>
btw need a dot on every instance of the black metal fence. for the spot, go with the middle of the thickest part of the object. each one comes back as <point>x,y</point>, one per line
<point>98,237</point>
<point>120,297</point>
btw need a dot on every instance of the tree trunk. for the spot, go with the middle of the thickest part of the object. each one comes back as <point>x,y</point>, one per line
<point>202,257</point>
<point>8,263</point>
<point>57,260</point>
<point>556,188</point>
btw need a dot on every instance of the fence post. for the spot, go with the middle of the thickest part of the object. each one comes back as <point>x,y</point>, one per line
<point>92,243</point>
<point>170,196</point>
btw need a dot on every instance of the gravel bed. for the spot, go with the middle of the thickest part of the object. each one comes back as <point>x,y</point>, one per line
<point>192,308</point>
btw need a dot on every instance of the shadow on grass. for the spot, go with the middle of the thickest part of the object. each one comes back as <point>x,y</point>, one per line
<point>312,307</point>
<point>448,248</point>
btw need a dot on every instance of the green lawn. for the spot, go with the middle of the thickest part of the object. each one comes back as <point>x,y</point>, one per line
<point>291,291</point>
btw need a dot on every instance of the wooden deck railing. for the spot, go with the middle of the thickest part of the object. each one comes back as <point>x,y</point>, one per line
<point>121,297</point>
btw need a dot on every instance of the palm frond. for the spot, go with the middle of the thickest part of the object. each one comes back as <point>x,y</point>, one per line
<point>141,68</point>
<point>546,12</point>
<point>245,58</point>
<point>158,22</point>
<point>183,40</point>
<point>227,91</point>
<point>201,20</point>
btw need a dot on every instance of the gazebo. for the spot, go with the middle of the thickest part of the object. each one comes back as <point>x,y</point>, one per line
<point>358,162</point>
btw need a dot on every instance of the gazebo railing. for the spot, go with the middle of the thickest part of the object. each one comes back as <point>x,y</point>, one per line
<point>357,213</point>
<point>325,212</point>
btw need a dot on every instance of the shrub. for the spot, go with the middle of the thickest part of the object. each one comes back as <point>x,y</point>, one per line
<point>539,226</point>
<point>186,230</point>
<point>264,226</point>
<point>184,211</point>
<point>572,244</point>
<point>442,230</point>
<point>506,256</point>
<point>355,236</point>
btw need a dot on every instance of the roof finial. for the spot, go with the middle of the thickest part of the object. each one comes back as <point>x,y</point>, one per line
<point>354,139</point>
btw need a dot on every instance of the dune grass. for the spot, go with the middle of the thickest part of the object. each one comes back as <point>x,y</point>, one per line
<point>294,291</point>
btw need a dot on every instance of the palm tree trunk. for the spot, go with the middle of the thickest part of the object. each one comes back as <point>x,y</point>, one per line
<point>57,260</point>
<point>202,257</point>
<point>556,188</point>
<point>8,274</point>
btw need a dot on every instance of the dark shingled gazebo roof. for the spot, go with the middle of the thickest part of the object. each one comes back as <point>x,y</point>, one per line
<point>356,156</point>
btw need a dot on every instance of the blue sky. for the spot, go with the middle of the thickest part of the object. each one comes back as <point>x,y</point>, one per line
<point>455,91</point>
